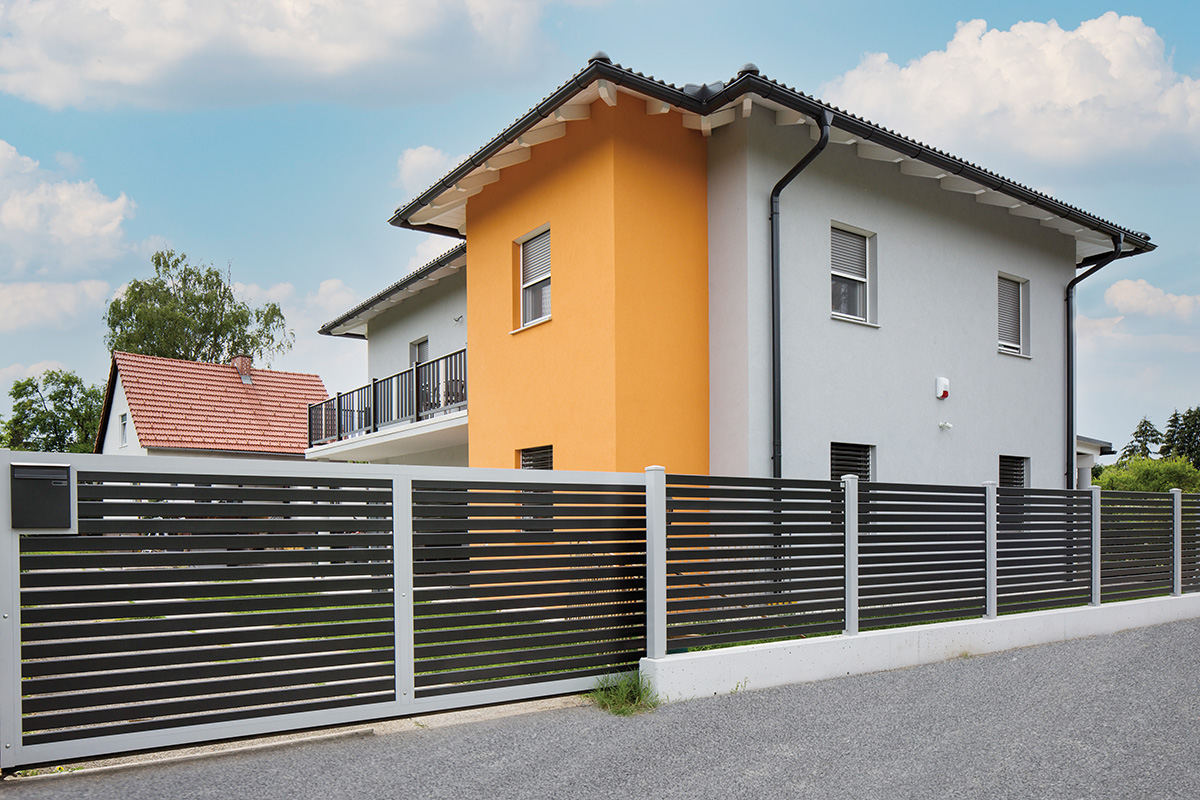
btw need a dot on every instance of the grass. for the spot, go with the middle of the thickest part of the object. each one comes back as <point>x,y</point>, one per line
<point>623,694</point>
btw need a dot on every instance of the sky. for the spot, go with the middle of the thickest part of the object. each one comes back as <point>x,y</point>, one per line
<point>275,138</point>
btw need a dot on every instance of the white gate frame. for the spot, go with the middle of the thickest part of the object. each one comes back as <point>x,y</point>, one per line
<point>14,754</point>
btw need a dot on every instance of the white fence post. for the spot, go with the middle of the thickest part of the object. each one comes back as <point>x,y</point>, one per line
<point>656,562</point>
<point>402,595</point>
<point>989,560</point>
<point>1177,547</point>
<point>1095,545</point>
<point>10,623</point>
<point>850,494</point>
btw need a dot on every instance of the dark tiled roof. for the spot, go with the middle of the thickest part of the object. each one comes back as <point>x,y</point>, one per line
<point>705,99</point>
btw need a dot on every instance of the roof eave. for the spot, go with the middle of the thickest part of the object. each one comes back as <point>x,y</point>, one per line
<point>752,83</point>
<point>329,328</point>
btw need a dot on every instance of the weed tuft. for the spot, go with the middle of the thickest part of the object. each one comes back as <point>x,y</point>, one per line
<point>623,694</point>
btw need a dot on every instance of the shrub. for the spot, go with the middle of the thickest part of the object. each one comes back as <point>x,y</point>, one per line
<point>1150,475</point>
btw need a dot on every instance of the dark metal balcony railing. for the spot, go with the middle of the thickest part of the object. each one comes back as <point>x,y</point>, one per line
<point>422,391</point>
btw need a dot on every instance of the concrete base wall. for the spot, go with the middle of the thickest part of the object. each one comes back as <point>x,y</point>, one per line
<point>687,675</point>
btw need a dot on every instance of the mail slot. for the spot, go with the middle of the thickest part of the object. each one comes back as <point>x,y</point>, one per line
<point>41,496</point>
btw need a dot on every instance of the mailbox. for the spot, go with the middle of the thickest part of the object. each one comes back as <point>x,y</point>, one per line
<point>41,496</point>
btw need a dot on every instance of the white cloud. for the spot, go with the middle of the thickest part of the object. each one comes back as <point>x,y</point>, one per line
<point>1094,334</point>
<point>47,223</point>
<point>28,305</point>
<point>429,248</point>
<point>151,53</point>
<point>418,167</point>
<point>16,372</point>
<point>1106,87</point>
<point>1140,297</point>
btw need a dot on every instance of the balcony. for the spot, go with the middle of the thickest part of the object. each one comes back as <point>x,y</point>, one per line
<point>421,392</point>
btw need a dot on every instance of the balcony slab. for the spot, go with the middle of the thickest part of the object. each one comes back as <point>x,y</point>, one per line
<point>397,441</point>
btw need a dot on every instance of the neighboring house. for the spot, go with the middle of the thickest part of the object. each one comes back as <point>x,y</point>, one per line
<point>167,406</point>
<point>1087,455</point>
<point>898,312</point>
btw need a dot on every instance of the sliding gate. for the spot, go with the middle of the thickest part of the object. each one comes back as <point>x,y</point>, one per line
<point>154,602</point>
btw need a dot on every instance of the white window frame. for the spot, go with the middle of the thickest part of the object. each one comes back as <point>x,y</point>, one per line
<point>124,419</point>
<point>544,230</point>
<point>1007,347</point>
<point>868,280</point>
<point>414,350</point>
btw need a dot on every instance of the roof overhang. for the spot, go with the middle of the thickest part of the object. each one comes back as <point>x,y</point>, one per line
<point>441,209</point>
<point>1096,447</point>
<point>353,324</point>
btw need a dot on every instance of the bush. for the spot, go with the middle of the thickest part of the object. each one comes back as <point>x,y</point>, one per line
<point>1150,475</point>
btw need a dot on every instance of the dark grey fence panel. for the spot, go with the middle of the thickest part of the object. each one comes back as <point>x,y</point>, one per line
<point>1043,548</point>
<point>752,559</point>
<point>192,599</point>
<point>523,582</point>
<point>921,553</point>
<point>1136,545</point>
<point>1191,543</point>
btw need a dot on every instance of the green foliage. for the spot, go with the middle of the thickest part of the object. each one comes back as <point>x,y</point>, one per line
<point>1141,474</point>
<point>56,414</point>
<point>624,694</point>
<point>191,312</point>
<point>1144,435</point>
<point>1182,436</point>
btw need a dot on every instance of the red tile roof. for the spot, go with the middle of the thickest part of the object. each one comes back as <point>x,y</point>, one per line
<point>190,405</point>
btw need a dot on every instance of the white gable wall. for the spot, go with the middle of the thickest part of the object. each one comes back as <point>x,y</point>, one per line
<point>430,313</point>
<point>112,433</point>
<point>938,254</point>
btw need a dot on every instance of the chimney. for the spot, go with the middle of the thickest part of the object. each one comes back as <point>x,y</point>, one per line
<point>242,365</point>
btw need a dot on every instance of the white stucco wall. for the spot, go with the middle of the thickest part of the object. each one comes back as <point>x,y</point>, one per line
<point>938,254</point>
<point>438,311</point>
<point>112,433</point>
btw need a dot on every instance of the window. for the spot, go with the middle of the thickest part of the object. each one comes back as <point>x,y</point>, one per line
<point>850,275</point>
<point>849,459</point>
<point>1013,471</point>
<point>1011,302</point>
<point>418,351</point>
<point>538,457</point>
<point>535,279</point>
<point>124,429</point>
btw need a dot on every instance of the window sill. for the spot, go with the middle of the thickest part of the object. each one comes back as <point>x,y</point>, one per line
<point>1025,356</point>
<point>529,325</point>
<point>854,320</point>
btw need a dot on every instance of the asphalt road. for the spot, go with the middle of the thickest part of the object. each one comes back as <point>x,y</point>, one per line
<point>1115,716</point>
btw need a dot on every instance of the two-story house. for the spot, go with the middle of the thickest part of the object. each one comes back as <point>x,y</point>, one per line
<point>732,278</point>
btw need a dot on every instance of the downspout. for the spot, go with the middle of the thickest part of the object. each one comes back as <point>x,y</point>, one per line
<point>824,120</point>
<point>1100,263</point>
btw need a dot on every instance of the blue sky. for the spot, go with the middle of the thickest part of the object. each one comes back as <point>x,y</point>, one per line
<point>277,137</point>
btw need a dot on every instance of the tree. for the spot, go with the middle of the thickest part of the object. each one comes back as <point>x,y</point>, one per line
<point>1172,438</point>
<point>191,312</point>
<point>1143,474</point>
<point>58,414</point>
<point>1144,435</point>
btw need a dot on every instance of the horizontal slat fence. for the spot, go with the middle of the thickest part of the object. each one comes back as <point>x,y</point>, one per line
<point>523,582</point>
<point>1136,545</point>
<point>921,553</point>
<point>750,559</point>
<point>1190,555</point>
<point>194,599</point>
<point>1043,548</point>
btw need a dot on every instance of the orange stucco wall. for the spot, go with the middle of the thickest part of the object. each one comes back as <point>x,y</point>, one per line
<point>617,379</point>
